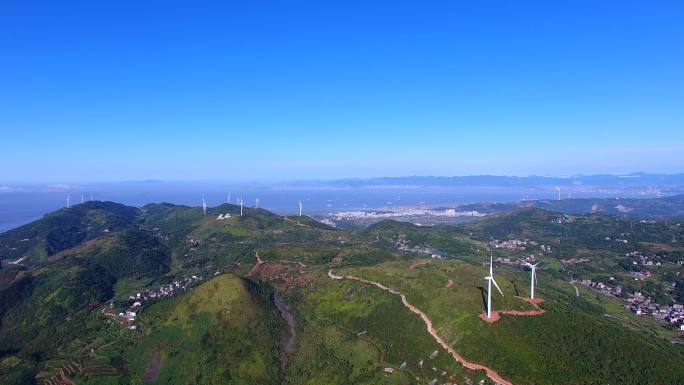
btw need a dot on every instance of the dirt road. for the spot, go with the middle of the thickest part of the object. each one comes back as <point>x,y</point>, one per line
<point>494,376</point>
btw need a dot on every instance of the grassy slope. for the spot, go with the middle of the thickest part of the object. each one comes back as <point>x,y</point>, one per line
<point>331,351</point>
<point>218,333</point>
<point>198,340</point>
<point>573,343</point>
<point>63,229</point>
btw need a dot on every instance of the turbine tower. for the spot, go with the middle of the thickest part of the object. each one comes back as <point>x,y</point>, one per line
<point>91,197</point>
<point>82,198</point>
<point>204,207</point>
<point>490,280</point>
<point>241,204</point>
<point>533,276</point>
<point>559,190</point>
<point>68,200</point>
<point>229,197</point>
<point>300,208</point>
<point>256,203</point>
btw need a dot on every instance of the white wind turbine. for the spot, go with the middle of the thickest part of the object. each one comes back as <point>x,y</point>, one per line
<point>68,200</point>
<point>559,190</point>
<point>534,276</point>
<point>82,198</point>
<point>204,207</point>
<point>490,280</point>
<point>241,204</point>
<point>300,208</point>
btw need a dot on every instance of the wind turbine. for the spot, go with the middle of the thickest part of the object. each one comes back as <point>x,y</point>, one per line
<point>204,207</point>
<point>490,280</point>
<point>91,197</point>
<point>229,197</point>
<point>82,198</point>
<point>300,208</point>
<point>241,203</point>
<point>559,190</point>
<point>533,275</point>
<point>68,200</point>
<point>256,203</point>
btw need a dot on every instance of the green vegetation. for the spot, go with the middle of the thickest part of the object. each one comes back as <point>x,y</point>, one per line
<point>572,343</point>
<point>219,333</point>
<point>58,309</point>
<point>63,229</point>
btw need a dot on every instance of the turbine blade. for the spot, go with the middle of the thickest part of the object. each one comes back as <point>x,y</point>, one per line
<point>497,286</point>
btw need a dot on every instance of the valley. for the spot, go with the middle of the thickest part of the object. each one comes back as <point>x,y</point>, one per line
<point>261,298</point>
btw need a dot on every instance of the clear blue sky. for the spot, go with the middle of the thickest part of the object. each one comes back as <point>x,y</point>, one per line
<point>118,90</point>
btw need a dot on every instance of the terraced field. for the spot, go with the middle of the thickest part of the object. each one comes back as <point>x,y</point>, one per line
<point>292,301</point>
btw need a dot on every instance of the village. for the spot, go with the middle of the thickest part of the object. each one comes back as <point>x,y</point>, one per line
<point>640,304</point>
<point>645,260</point>
<point>644,305</point>
<point>518,245</point>
<point>403,245</point>
<point>165,291</point>
<point>605,289</point>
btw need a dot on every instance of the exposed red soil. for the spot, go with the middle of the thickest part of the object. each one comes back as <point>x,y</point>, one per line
<point>449,284</point>
<point>285,274</point>
<point>257,265</point>
<point>496,314</point>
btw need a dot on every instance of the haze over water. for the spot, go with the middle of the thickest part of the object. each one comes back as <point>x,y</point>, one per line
<point>21,207</point>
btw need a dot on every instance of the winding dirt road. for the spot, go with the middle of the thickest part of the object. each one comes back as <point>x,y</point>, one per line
<point>576,289</point>
<point>494,376</point>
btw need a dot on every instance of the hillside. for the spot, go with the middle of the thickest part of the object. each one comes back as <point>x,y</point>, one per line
<point>63,229</point>
<point>638,208</point>
<point>175,296</point>
<point>222,330</point>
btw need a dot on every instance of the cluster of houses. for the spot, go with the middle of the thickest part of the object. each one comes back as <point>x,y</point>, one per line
<point>640,275</point>
<point>517,261</point>
<point>564,219</point>
<point>165,291</point>
<point>613,291</point>
<point>518,245</point>
<point>641,259</point>
<point>157,233</point>
<point>512,244</point>
<point>618,240</point>
<point>574,261</point>
<point>222,216</point>
<point>403,245</point>
<point>644,305</point>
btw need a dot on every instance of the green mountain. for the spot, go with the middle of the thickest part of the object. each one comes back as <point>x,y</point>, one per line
<point>225,298</point>
<point>63,229</point>
<point>639,208</point>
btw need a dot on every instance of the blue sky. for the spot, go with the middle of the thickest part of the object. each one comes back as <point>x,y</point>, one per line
<point>106,91</point>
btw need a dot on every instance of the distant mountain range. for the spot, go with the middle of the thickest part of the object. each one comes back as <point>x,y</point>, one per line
<point>640,208</point>
<point>628,180</point>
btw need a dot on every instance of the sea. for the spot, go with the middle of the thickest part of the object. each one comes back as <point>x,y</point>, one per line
<point>23,205</point>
